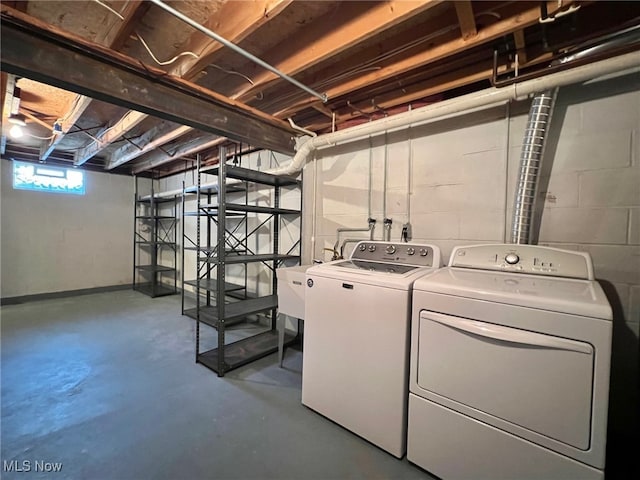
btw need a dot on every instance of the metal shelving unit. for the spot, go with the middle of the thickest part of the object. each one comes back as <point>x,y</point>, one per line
<point>154,233</point>
<point>225,235</point>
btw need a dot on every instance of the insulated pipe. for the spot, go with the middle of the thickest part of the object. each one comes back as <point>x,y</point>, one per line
<point>530,161</point>
<point>237,49</point>
<point>463,104</point>
<point>450,108</point>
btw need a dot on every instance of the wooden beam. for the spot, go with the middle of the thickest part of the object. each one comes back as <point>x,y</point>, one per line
<point>231,22</point>
<point>196,143</point>
<point>316,43</point>
<point>36,50</point>
<point>151,139</point>
<point>440,50</point>
<point>521,46</point>
<point>466,19</point>
<point>32,117</point>
<point>8,87</point>
<point>114,37</point>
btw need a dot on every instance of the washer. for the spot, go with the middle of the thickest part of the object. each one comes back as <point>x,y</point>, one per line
<point>510,356</point>
<point>356,344</point>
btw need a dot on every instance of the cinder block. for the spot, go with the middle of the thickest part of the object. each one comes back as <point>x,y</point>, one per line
<point>436,166</point>
<point>617,264</point>
<point>438,225</point>
<point>584,225</point>
<point>634,305</point>
<point>484,166</point>
<point>482,225</point>
<point>438,198</point>
<point>634,226</point>
<point>597,150</point>
<point>558,190</point>
<point>397,202</point>
<point>612,113</point>
<point>618,187</point>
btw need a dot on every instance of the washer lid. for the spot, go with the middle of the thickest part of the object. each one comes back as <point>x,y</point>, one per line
<point>380,267</point>
<point>572,296</point>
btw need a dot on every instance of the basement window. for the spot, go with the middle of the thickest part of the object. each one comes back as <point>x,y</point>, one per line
<point>44,178</point>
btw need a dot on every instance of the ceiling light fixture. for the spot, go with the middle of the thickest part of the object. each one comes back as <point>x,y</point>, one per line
<point>16,131</point>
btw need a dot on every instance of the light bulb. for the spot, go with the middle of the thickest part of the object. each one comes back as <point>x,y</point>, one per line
<point>16,131</point>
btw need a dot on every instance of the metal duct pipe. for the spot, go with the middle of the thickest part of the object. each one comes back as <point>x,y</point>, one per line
<point>530,161</point>
<point>463,104</point>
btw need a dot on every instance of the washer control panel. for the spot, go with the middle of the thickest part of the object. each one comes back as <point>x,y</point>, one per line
<point>531,259</point>
<point>400,253</point>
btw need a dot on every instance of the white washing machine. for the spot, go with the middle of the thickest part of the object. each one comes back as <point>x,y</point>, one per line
<point>510,356</point>
<point>355,363</point>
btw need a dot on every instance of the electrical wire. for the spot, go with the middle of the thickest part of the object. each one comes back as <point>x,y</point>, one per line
<point>39,138</point>
<point>159,62</point>
<point>110,9</point>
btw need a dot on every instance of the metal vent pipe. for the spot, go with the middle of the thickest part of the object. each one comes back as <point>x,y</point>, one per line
<point>530,162</point>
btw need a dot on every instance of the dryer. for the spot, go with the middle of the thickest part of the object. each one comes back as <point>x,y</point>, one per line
<point>355,364</point>
<point>509,374</point>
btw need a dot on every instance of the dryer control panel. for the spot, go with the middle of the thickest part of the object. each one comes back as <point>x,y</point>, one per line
<point>420,255</point>
<point>531,259</point>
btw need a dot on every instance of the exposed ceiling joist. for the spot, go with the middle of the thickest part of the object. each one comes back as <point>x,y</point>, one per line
<point>232,23</point>
<point>195,142</point>
<point>467,20</point>
<point>39,51</point>
<point>322,44</point>
<point>151,139</point>
<point>113,37</point>
<point>521,46</point>
<point>9,85</point>
<point>426,56</point>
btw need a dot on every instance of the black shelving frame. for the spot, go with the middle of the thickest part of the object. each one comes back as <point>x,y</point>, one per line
<point>154,232</point>
<point>230,246</point>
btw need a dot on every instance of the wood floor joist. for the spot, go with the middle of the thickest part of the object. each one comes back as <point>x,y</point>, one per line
<point>44,53</point>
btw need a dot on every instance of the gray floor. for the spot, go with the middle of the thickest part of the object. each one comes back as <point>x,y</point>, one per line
<point>106,384</point>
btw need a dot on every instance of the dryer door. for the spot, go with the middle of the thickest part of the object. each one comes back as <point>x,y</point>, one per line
<point>538,382</point>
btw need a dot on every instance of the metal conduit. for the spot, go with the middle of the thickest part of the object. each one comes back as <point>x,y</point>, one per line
<point>530,162</point>
<point>237,49</point>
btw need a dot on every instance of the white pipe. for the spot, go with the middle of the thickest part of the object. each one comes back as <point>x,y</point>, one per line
<point>460,105</point>
<point>454,107</point>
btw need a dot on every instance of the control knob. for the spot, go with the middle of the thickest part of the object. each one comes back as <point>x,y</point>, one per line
<point>390,249</point>
<point>411,251</point>
<point>423,252</point>
<point>372,248</point>
<point>363,247</point>
<point>512,258</point>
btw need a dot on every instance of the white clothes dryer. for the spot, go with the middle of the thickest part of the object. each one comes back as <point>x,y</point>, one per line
<point>355,364</point>
<point>510,357</point>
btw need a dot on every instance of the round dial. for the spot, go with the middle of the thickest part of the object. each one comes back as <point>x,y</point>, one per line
<point>390,249</point>
<point>423,252</point>
<point>411,251</point>
<point>512,258</point>
<point>372,248</point>
<point>362,247</point>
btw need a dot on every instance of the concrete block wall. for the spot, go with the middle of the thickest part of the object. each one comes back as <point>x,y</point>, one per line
<point>54,242</point>
<point>455,181</point>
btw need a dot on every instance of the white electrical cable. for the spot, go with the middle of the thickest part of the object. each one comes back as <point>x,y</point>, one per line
<point>110,9</point>
<point>159,62</point>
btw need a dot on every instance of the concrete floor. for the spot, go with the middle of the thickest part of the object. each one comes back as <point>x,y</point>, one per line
<point>106,384</point>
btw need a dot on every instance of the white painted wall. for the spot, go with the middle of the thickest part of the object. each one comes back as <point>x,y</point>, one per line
<point>461,189</point>
<point>258,276</point>
<point>54,242</point>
